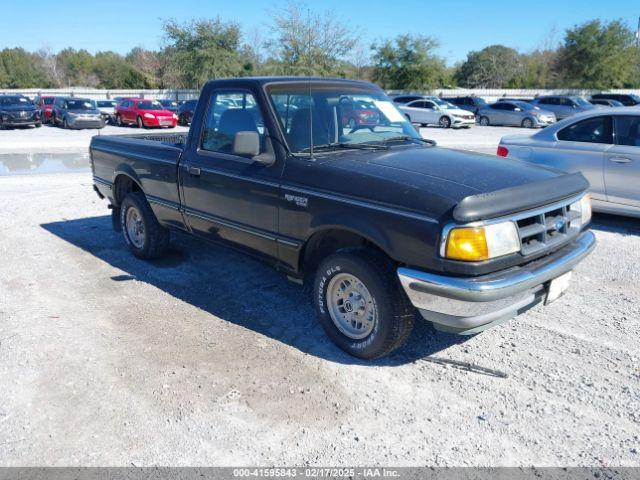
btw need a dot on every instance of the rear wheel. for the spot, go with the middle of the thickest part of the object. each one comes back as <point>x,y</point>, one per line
<point>145,237</point>
<point>119,121</point>
<point>38,124</point>
<point>360,303</point>
<point>484,121</point>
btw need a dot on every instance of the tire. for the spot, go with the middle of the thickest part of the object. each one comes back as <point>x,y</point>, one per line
<point>444,122</point>
<point>145,237</point>
<point>38,124</point>
<point>65,124</point>
<point>527,123</point>
<point>376,291</point>
<point>408,118</point>
<point>181,120</point>
<point>352,124</point>
<point>424,125</point>
<point>484,121</point>
<point>140,123</point>
<point>119,121</point>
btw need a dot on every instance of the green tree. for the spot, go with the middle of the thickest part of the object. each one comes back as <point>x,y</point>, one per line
<point>21,69</point>
<point>599,55</point>
<point>308,43</point>
<point>201,50</point>
<point>495,66</point>
<point>408,62</point>
<point>113,71</point>
<point>77,68</point>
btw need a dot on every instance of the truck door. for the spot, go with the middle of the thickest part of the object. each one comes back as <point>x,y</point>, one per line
<point>226,197</point>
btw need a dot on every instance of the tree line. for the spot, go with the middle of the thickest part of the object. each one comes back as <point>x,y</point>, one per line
<point>593,55</point>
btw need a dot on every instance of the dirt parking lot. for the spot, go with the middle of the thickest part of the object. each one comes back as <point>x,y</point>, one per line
<point>208,357</point>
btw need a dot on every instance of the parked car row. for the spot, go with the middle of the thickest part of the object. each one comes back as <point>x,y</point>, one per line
<point>77,112</point>
<point>511,111</point>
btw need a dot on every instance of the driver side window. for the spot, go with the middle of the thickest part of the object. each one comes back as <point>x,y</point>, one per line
<point>227,114</point>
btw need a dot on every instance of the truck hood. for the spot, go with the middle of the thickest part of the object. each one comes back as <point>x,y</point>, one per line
<point>427,180</point>
<point>478,172</point>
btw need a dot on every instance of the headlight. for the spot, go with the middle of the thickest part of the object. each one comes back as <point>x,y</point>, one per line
<point>72,115</point>
<point>583,206</point>
<point>482,242</point>
<point>149,115</point>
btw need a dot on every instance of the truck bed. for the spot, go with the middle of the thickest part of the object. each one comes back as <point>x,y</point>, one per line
<point>150,159</point>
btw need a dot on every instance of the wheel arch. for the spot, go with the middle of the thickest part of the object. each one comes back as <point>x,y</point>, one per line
<point>330,238</point>
<point>125,181</point>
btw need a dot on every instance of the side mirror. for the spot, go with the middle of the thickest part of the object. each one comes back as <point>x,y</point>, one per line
<point>246,144</point>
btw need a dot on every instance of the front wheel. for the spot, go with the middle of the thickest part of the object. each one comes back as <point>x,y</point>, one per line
<point>65,124</point>
<point>140,123</point>
<point>444,122</point>
<point>360,303</point>
<point>484,121</point>
<point>145,237</point>
<point>527,123</point>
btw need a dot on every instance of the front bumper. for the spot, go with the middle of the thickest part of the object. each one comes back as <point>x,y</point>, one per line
<point>544,121</point>
<point>463,122</point>
<point>85,122</point>
<point>14,120</point>
<point>160,122</point>
<point>467,305</point>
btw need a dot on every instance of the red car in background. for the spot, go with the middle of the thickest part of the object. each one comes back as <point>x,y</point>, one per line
<point>144,113</point>
<point>45,104</point>
<point>358,113</point>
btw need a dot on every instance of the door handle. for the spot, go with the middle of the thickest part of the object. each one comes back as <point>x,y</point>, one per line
<point>194,171</point>
<point>620,159</point>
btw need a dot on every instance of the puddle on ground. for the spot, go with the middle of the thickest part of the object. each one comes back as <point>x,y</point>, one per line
<point>30,163</point>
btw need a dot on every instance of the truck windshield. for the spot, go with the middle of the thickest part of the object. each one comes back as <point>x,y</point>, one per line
<point>321,115</point>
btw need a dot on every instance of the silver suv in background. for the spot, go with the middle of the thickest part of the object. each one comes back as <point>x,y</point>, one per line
<point>563,105</point>
<point>519,114</point>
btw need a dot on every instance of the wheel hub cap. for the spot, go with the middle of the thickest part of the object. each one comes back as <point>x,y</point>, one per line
<point>351,306</point>
<point>135,227</point>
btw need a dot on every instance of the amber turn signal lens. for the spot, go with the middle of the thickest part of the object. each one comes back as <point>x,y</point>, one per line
<point>468,244</point>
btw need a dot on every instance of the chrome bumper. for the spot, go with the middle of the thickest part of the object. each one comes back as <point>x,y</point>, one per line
<point>468,305</point>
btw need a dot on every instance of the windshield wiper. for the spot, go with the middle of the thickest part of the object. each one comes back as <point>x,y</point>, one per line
<point>408,137</point>
<point>343,145</point>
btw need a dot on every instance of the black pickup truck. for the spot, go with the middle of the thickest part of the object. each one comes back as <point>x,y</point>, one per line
<point>326,180</point>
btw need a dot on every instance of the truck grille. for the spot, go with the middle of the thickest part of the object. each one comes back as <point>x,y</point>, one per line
<point>547,229</point>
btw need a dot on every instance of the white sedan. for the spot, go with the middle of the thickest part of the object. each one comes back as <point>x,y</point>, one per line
<point>433,111</point>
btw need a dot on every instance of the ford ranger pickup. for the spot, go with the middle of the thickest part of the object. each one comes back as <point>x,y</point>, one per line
<point>381,223</point>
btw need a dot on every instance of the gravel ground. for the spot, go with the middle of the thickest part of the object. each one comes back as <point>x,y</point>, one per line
<point>208,357</point>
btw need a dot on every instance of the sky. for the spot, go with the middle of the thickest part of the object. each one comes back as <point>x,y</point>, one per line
<point>459,26</point>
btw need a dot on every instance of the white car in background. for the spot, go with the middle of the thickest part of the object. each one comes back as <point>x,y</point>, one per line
<point>107,110</point>
<point>602,144</point>
<point>435,111</point>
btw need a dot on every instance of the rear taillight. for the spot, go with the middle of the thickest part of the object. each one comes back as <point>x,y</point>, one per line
<point>502,151</point>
